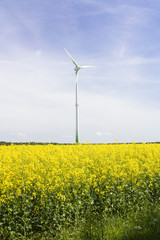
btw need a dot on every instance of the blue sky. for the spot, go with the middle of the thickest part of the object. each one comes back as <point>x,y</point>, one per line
<point>119,99</point>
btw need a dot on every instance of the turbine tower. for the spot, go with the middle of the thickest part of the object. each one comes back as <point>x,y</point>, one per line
<point>76,69</point>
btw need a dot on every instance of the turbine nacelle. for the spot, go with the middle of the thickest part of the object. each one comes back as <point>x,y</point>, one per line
<point>77,68</point>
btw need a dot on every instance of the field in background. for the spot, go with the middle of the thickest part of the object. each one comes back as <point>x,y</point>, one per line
<point>80,191</point>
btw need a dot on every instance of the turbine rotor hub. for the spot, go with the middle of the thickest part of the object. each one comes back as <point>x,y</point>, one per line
<point>76,69</point>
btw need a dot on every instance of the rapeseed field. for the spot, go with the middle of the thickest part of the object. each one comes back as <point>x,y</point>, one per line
<point>46,188</point>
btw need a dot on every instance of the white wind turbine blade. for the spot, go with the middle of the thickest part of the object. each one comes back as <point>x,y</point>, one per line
<point>71,57</point>
<point>87,67</point>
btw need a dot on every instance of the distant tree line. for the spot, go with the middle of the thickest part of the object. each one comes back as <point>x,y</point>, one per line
<point>26,143</point>
<point>54,143</point>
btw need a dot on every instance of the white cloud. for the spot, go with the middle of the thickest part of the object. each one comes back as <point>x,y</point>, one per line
<point>21,134</point>
<point>38,103</point>
<point>103,134</point>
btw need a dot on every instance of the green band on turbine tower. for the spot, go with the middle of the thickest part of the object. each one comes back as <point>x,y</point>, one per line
<point>77,141</point>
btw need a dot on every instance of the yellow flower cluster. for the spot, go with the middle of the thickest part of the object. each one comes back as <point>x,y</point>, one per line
<point>58,168</point>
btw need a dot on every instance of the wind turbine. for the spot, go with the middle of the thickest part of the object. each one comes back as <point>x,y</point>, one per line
<point>76,69</point>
